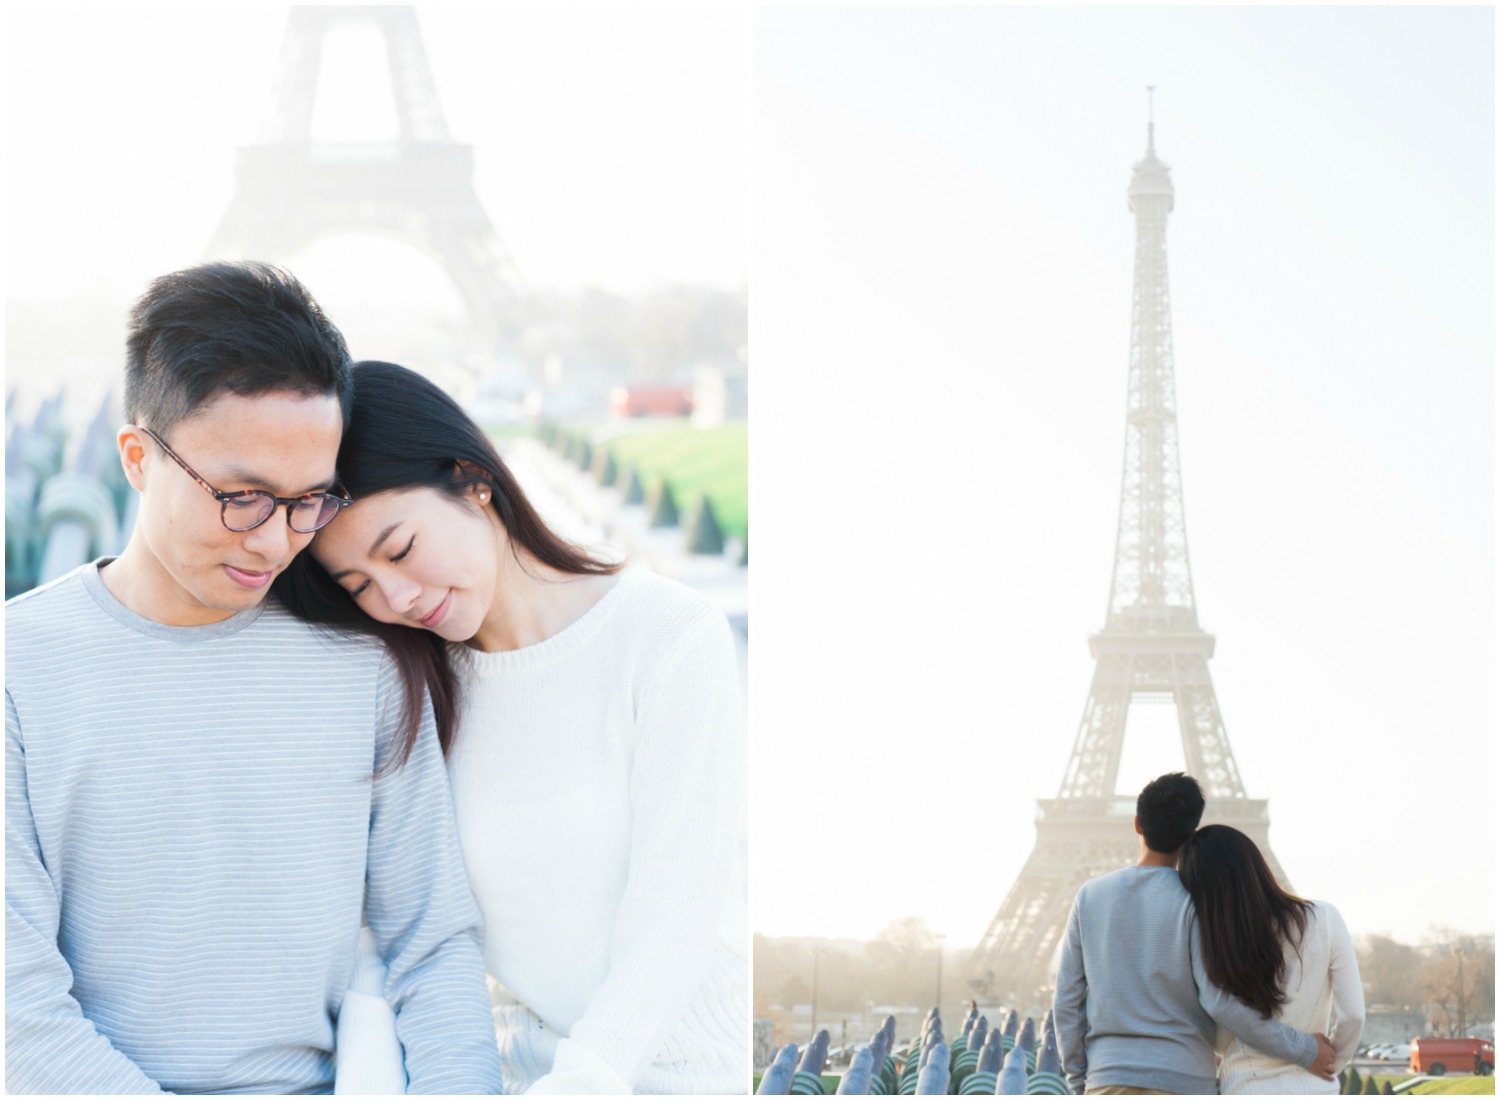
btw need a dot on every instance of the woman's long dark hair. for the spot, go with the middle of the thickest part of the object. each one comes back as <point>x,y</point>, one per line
<point>1246,917</point>
<point>406,433</point>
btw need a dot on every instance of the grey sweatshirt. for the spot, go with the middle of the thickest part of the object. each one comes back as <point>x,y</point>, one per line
<point>1134,1005</point>
<point>190,830</point>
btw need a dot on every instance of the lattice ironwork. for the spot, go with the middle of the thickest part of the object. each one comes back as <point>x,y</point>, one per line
<point>1151,647</point>
<point>291,189</point>
<point>1152,585</point>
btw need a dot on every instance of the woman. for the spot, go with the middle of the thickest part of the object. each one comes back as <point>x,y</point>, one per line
<point>590,720</point>
<point>1280,954</point>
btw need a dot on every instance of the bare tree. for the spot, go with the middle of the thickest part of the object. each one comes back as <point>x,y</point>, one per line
<point>903,961</point>
<point>1391,971</point>
<point>1458,979</point>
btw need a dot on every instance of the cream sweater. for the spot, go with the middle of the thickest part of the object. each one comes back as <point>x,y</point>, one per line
<point>1324,994</point>
<point>598,781</point>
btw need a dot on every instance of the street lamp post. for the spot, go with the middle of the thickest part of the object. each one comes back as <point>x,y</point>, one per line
<point>1462,1027</point>
<point>814,1033</point>
<point>939,1001</point>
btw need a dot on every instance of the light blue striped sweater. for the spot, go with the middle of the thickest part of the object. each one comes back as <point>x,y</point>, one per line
<point>190,830</point>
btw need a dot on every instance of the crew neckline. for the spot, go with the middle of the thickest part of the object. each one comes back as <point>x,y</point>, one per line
<point>94,585</point>
<point>483,664</point>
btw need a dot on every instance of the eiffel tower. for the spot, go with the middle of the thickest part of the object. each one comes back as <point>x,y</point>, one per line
<point>1150,650</point>
<point>419,189</point>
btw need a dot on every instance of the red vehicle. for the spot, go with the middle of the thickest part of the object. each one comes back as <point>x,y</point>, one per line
<point>651,401</point>
<point>1439,1056</point>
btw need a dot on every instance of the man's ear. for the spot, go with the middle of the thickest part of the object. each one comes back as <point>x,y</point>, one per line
<point>1138,826</point>
<point>132,445</point>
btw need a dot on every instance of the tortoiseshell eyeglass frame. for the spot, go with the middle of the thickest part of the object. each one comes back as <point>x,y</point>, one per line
<point>341,498</point>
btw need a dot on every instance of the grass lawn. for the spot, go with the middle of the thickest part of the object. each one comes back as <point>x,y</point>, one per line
<point>712,461</point>
<point>1446,1086</point>
<point>1456,1086</point>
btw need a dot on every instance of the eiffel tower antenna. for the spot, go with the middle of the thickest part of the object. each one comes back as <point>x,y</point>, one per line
<point>291,188</point>
<point>1150,650</point>
<point>1151,120</point>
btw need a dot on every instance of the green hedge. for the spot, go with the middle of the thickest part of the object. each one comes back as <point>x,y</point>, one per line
<point>712,461</point>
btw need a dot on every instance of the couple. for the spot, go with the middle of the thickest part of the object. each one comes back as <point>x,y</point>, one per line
<point>223,754</point>
<point>1197,950</point>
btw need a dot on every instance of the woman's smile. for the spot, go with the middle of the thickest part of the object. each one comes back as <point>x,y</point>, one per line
<point>432,620</point>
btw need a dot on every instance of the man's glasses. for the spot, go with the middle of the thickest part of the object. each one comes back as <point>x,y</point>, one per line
<point>248,509</point>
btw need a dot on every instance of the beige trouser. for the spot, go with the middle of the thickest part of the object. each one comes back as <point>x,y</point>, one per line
<point>1125,1090</point>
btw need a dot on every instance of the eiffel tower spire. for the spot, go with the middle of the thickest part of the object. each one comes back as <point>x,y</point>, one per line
<point>1152,584</point>
<point>1151,647</point>
<point>1151,120</point>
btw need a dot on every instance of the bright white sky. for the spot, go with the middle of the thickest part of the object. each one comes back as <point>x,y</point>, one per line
<point>609,144</point>
<point>942,280</point>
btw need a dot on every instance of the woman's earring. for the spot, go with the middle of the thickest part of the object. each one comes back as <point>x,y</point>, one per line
<point>484,496</point>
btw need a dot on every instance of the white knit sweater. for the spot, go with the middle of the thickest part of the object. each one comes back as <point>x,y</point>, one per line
<point>598,781</point>
<point>1324,994</point>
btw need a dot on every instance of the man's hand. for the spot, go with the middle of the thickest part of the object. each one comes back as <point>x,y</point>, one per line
<point>1323,1067</point>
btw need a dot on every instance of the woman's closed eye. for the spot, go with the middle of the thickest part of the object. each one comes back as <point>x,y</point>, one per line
<point>360,591</point>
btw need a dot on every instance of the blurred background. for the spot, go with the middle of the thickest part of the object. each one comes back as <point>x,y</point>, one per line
<point>944,262</point>
<point>542,209</point>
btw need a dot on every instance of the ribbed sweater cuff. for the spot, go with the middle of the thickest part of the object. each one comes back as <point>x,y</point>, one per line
<point>368,1055</point>
<point>369,968</point>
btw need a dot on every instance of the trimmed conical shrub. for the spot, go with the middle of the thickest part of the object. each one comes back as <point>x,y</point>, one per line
<point>705,536</point>
<point>604,467</point>
<point>662,506</point>
<point>585,455</point>
<point>635,492</point>
<point>1371,1088</point>
<point>569,449</point>
<point>1354,1084</point>
<point>1386,1090</point>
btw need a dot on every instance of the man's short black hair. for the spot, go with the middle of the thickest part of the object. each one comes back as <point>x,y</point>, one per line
<point>1169,809</point>
<point>242,326</point>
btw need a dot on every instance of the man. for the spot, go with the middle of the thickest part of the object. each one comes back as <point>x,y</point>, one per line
<point>1134,1008</point>
<point>195,805</point>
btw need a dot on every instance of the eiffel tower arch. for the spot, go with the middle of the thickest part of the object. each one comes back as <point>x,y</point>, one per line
<point>291,190</point>
<point>1150,650</point>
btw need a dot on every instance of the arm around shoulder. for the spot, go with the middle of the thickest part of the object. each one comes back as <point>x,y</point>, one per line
<point>1265,1035</point>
